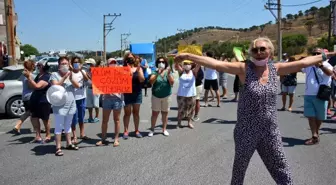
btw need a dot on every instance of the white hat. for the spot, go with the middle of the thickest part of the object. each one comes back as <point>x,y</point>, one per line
<point>110,60</point>
<point>56,95</point>
<point>90,61</point>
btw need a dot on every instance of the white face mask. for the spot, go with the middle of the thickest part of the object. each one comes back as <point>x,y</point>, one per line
<point>161,65</point>
<point>187,67</point>
<point>64,68</point>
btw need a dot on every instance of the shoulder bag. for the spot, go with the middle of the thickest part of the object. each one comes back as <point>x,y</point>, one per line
<point>324,91</point>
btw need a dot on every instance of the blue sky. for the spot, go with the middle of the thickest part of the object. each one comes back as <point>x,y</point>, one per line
<point>61,24</point>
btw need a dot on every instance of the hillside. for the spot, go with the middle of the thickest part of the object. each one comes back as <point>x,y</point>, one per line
<point>312,23</point>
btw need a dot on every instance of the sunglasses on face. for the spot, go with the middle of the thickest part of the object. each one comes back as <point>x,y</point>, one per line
<point>316,54</point>
<point>258,49</point>
<point>160,61</point>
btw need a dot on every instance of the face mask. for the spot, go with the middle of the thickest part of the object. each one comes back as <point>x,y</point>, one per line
<point>262,62</point>
<point>161,65</point>
<point>187,67</point>
<point>64,69</point>
<point>76,65</point>
<point>130,61</point>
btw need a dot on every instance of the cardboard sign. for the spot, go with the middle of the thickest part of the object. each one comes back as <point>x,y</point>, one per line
<point>108,80</point>
<point>192,49</point>
<point>239,54</point>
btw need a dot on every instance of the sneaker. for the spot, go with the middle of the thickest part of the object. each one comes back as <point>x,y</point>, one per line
<point>151,134</point>
<point>195,118</point>
<point>95,120</point>
<point>165,133</point>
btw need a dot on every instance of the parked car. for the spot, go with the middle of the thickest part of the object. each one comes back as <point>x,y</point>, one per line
<point>11,89</point>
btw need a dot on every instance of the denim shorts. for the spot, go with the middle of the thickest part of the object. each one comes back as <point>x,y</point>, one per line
<point>315,108</point>
<point>134,98</point>
<point>112,102</point>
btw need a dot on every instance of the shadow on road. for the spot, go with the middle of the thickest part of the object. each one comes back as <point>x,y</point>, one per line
<point>44,149</point>
<point>21,140</point>
<point>292,141</point>
<point>328,130</point>
<point>297,111</point>
<point>5,117</point>
<point>219,121</point>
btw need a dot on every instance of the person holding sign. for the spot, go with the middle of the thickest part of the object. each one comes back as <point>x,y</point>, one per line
<point>133,100</point>
<point>162,81</point>
<point>111,102</point>
<point>186,93</point>
<point>256,127</point>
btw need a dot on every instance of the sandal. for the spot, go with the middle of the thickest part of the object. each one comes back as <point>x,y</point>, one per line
<point>72,147</point>
<point>116,144</point>
<point>47,140</point>
<point>39,141</point>
<point>102,142</point>
<point>84,138</point>
<point>191,126</point>
<point>312,141</point>
<point>16,131</point>
<point>59,152</point>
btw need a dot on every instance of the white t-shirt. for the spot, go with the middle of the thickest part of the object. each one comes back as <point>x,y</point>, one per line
<point>312,86</point>
<point>80,93</point>
<point>210,74</point>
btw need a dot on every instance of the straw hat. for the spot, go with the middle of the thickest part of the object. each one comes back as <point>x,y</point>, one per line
<point>56,95</point>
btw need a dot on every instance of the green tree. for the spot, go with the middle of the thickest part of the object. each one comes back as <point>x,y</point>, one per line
<point>323,43</point>
<point>289,16</point>
<point>294,44</point>
<point>309,26</point>
<point>29,50</point>
<point>313,11</point>
<point>296,16</point>
<point>300,13</point>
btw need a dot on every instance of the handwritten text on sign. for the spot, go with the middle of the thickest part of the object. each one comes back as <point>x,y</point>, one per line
<point>108,80</point>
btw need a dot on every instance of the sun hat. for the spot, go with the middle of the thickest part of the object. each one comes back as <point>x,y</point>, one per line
<point>90,61</point>
<point>110,60</point>
<point>56,95</point>
<point>187,62</point>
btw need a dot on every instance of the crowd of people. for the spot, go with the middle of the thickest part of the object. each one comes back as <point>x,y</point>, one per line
<point>256,82</point>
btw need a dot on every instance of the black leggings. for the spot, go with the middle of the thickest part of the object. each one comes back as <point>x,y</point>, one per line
<point>236,84</point>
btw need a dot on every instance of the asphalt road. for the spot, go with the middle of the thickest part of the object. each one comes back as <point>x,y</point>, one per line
<point>200,156</point>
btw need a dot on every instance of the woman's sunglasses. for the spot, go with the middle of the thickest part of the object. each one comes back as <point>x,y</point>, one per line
<point>258,49</point>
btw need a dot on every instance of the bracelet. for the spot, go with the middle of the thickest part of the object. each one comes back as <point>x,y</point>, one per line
<point>324,56</point>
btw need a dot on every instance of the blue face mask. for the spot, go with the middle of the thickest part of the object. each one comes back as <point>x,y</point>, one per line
<point>76,65</point>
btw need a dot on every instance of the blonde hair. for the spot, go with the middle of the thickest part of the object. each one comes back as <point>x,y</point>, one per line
<point>263,39</point>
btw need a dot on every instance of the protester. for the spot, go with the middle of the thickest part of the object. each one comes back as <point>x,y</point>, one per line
<point>162,81</point>
<point>199,89</point>
<point>80,77</point>
<point>315,108</point>
<point>256,128</point>
<point>186,93</point>
<point>39,106</point>
<point>63,113</point>
<point>288,86</point>
<point>133,100</point>
<point>27,91</point>
<point>211,81</point>
<point>144,67</point>
<point>111,102</point>
<point>223,78</point>
<point>92,100</point>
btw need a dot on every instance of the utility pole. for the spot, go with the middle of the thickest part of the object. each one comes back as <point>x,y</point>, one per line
<point>123,41</point>
<point>108,27</point>
<point>276,6</point>
<point>182,31</point>
<point>9,11</point>
<point>331,21</point>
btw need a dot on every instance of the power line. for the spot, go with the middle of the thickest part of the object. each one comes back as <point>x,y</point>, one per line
<point>83,10</point>
<point>302,4</point>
